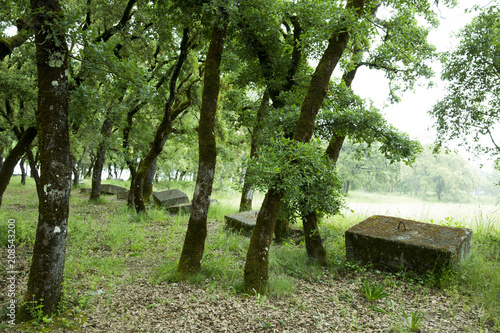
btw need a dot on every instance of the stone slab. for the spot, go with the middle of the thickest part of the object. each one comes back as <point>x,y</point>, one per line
<point>170,198</point>
<point>243,222</point>
<point>390,243</point>
<point>112,189</point>
<point>122,195</point>
<point>85,190</point>
<point>180,208</point>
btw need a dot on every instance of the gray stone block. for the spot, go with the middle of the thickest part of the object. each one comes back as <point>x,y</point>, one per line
<point>112,189</point>
<point>122,195</point>
<point>170,198</point>
<point>243,222</point>
<point>180,208</point>
<point>85,190</point>
<point>389,243</point>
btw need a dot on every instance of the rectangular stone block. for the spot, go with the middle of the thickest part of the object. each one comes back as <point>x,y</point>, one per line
<point>390,243</point>
<point>180,208</point>
<point>112,189</point>
<point>243,222</point>
<point>170,198</point>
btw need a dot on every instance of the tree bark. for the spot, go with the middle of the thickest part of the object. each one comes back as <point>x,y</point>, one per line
<point>33,170</point>
<point>10,43</point>
<point>314,244</point>
<point>147,189</point>
<point>14,155</point>
<point>47,267</point>
<point>194,243</point>
<point>256,266</point>
<point>256,272</point>
<point>23,171</point>
<point>100,158</point>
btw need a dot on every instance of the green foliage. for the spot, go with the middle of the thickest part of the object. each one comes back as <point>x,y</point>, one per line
<point>470,110</point>
<point>447,176</point>
<point>413,322</point>
<point>373,291</point>
<point>301,172</point>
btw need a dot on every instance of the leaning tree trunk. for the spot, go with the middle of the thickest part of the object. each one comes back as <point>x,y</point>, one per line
<point>47,266</point>
<point>194,243</point>
<point>11,160</point>
<point>164,128</point>
<point>100,158</point>
<point>256,266</point>
<point>314,244</point>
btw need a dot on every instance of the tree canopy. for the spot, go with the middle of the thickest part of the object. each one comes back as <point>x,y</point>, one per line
<point>470,112</point>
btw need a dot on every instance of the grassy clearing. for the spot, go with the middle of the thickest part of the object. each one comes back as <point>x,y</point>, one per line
<point>109,245</point>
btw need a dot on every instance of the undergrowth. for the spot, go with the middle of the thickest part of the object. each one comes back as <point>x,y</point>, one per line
<point>108,244</point>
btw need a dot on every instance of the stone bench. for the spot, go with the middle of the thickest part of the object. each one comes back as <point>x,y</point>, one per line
<point>243,222</point>
<point>391,243</point>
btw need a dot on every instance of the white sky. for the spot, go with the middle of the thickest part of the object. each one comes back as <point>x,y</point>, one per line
<point>410,115</point>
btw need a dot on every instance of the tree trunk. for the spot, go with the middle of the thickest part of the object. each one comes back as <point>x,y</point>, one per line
<point>314,244</point>
<point>130,198</point>
<point>1,162</point>
<point>47,266</point>
<point>14,155</point>
<point>147,189</point>
<point>100,158</point>
<point>345,188</point>
<point>76,171</point>
<point>256,271</point>
<point>23,171</point>
<point>164,128</point>
<point>247,191</point>
<point>256,266</point>
<point>334,147</point>
<point>33,170</point>
<point>194,243</point>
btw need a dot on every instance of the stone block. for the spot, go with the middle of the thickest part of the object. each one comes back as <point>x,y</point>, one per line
<point>243,222</point>
<point>390,243</point>
<point>112,189</point>
<point>180,208</point>
<point>170,198</point>
<point>122,195</point>
<point>85,190</point>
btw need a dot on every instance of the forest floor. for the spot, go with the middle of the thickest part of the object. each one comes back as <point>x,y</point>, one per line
<point>120,277</point>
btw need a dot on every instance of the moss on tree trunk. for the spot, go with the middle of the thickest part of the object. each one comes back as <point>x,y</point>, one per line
<point>194,243</point>
<point>47,267</point>
<point>314,244</point>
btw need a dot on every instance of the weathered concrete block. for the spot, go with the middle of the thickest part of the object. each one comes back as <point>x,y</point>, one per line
<point>122,195</point>
<point>180,208</point>
<point>391,242</point>
<point>85,190</point>
<point>112,189</point>
<point>170,198</point>
<point>243,222</point>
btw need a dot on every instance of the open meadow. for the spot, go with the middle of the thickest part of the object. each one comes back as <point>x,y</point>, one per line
<point>120,272</point>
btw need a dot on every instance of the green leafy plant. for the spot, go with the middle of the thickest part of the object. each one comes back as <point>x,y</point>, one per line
<point>413,322</point>
<point>373,292</point>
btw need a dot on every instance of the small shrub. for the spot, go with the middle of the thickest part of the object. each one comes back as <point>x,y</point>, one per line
<point>373,292</point>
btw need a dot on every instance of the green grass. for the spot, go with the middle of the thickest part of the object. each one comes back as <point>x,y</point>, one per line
<point>108,244</point>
